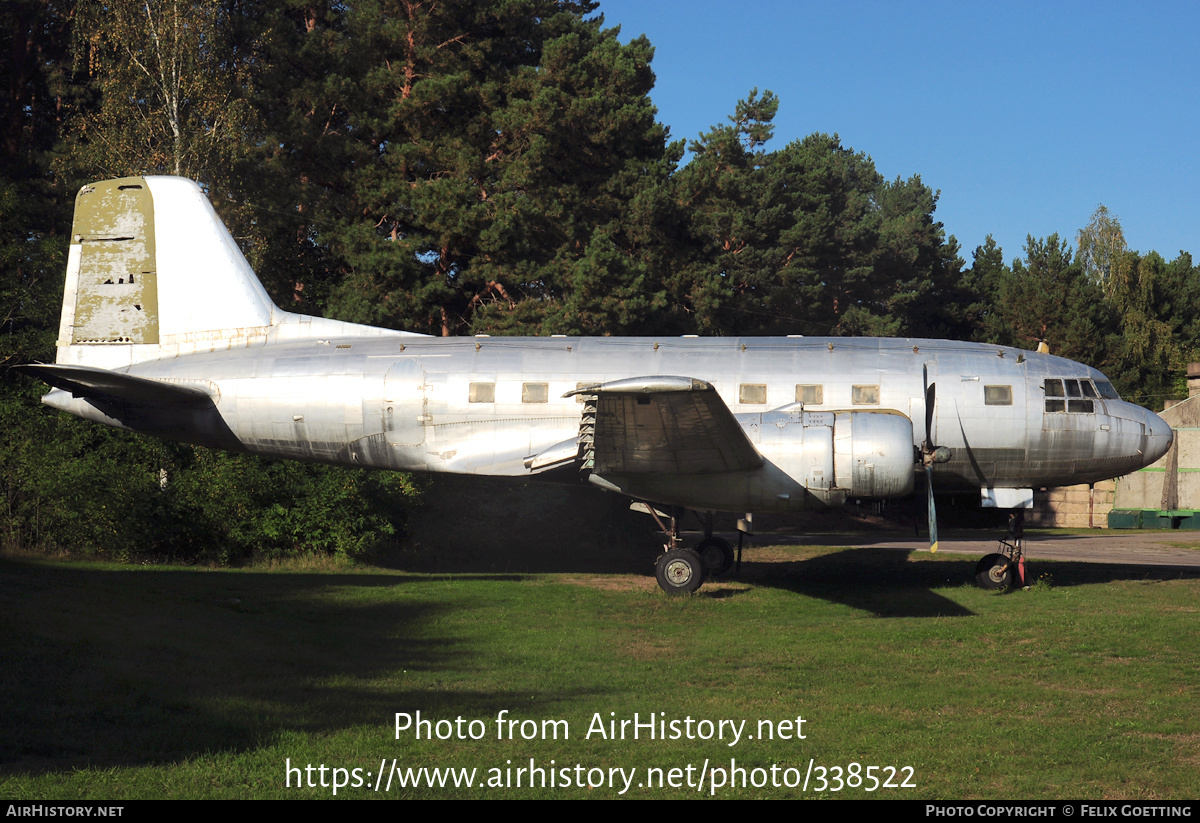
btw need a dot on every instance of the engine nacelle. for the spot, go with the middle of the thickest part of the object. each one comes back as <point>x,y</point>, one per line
<point>817,460</point>
<point>836,455</point>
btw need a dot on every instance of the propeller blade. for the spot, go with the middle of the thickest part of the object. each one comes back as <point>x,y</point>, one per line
<point>930,399</point>
<point>933,535</point>
<point>930,453</point>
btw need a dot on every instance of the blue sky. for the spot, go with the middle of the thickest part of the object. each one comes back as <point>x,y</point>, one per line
<point>1025,116</point>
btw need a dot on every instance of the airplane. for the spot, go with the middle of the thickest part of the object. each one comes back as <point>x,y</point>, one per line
<point>166,330</point>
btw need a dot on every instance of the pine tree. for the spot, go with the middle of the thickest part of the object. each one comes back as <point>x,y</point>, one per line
<point>505,147</point>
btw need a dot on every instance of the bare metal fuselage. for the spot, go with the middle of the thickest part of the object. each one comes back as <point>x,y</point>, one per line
<point>414,403</point>
<point>165,329</point>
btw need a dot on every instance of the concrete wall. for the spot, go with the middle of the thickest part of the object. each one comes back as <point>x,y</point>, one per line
<point>1072,507</point>
<point>1173,483</point>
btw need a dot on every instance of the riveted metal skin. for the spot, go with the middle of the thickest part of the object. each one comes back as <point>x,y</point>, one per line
<point>193,349</point>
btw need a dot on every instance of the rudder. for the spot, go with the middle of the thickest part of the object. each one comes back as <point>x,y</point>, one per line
<point>153,272</point>
<point>152,266</point>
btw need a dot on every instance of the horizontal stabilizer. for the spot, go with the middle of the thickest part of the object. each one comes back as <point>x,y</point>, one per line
<point>101,384</point>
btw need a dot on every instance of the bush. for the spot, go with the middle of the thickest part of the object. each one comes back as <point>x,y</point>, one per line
<point>73,486</point>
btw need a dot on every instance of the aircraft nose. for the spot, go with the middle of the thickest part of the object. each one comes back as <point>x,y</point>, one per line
<point>1158,437</point>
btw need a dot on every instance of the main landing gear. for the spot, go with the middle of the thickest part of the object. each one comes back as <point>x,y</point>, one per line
<point>1005,569</point>
<point>717,555</point>
<point>680,570</point>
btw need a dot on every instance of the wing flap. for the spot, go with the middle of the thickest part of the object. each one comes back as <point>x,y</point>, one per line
<point>667,425</point>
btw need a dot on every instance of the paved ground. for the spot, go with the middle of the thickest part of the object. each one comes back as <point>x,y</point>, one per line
<point>1153,548</point>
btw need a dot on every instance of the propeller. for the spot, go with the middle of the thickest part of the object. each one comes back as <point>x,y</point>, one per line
<point>931,454</point>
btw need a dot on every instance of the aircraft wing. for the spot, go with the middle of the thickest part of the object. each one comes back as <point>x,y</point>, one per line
<point>115,387</point>
<point>666,425</point>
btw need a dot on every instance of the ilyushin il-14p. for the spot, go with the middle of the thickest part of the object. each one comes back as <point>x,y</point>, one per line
<point>166,330</point>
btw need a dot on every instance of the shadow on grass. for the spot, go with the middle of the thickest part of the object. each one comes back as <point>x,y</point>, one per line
<point>1060,573</point>
<point>112,666</point>
<point>105,667</point>
<point>874,571</point>
<point>884,582</point>
<point>879,581</point>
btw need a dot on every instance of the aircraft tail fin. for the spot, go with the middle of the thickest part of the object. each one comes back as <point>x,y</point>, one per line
<point>153,272</point>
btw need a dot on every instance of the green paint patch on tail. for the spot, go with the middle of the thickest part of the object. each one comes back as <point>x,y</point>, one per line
<point>115,279</point>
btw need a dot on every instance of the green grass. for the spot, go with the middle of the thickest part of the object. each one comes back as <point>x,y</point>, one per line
<point>146,682</point>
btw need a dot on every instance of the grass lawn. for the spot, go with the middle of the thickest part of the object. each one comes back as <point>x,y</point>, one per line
<point>126,682</point>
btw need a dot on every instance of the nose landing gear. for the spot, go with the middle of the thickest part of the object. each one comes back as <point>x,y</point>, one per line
<point>1005,569</point>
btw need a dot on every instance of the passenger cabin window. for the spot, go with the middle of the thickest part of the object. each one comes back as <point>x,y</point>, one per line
<point>864,395</point>
<point>997,395</point>
<point>535,392</point>
<point>752,393</point>
<point>810,395</point>
<point>483,393</point>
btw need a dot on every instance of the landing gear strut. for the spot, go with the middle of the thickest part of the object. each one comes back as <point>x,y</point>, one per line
<point>678,570</point>
<point>682,571</point>
<point>1006,568</point>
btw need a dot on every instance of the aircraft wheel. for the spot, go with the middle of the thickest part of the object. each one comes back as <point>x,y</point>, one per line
<point>717,555</point>
<point>680,571</point>
<point>995,572</point>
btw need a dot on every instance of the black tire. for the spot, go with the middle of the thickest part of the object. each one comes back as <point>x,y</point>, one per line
<point>995,573</point>
<point>680,571</point>
<point>717,555</point>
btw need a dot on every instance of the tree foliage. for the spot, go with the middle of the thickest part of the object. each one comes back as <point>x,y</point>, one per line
<point>812,238</point>
<point>505,145</point>
<point>1103,253</point>
<point>1047,298</point>
<point>161,87</point>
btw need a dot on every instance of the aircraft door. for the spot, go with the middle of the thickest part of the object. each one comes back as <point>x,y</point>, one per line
<point>403,412</point>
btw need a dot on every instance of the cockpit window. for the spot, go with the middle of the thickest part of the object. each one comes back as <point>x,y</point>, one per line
<point>1078,396</point>
<point>1106,390</point>
<point>1054,395</point>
